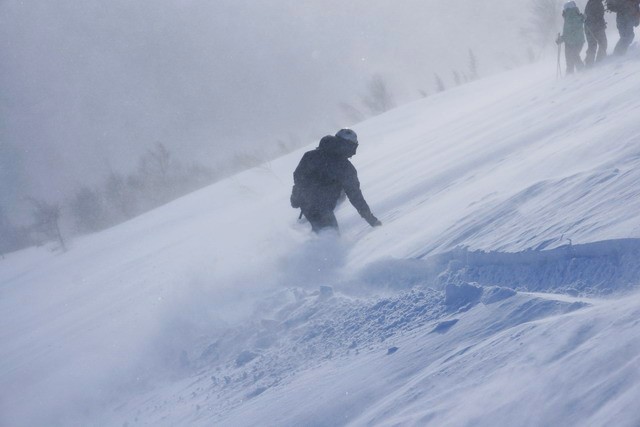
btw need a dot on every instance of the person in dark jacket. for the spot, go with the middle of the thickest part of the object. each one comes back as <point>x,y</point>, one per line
<point>572,36</point>
<point>627,17</point>
<point>321,177</point>
<point>595,30</point>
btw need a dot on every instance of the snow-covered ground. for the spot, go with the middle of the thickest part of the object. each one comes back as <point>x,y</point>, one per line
<point>501,289</point>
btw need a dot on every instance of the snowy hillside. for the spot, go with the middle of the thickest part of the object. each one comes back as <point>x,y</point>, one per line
<point>501,289</point>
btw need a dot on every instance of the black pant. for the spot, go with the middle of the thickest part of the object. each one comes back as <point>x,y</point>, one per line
<point>596,41</point>
<point>321,220</point>
<point>572,54</point>
<point>625,28</point>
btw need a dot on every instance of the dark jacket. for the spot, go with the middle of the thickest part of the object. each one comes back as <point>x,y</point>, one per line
<point>628,13</point>
<point>323,174</point>
<point>594,16</point>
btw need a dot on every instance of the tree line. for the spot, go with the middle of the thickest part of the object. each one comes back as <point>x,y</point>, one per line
<point>158,179</point>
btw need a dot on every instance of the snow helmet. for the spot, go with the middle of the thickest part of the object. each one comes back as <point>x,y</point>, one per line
<point>348,135</point>
<point>569,5</point>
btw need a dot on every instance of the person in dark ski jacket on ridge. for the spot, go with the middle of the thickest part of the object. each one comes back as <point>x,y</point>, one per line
<point>572,36</point>
<point>627,17</point>
<point>595,30</point>
<point>322,175</point>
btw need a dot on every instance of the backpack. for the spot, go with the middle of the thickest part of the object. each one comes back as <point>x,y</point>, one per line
<point>296,197</point>
<point>614,5</point>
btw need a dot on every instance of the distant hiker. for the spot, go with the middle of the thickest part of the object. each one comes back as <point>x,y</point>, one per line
<point>322,175</point>
<point>595,29</point>
<point>572,36</point>
<point>627,17</point>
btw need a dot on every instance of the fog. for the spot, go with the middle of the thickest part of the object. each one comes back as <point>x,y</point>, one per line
<point>87,87</point>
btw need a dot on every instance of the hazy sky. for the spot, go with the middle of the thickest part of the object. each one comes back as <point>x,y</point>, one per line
<point>86,86</point>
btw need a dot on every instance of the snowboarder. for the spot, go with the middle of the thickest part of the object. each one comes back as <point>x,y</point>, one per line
<point>322,175</point>
<point>572,36</point>
<point>627,17</point>
<point>595,30</point>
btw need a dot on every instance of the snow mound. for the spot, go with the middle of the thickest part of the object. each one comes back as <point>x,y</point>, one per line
<point>461,295</point>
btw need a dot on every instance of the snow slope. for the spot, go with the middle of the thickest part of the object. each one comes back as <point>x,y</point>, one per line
<point>220,309</point>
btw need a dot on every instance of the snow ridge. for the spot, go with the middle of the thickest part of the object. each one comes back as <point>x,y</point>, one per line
<point>590,269</point>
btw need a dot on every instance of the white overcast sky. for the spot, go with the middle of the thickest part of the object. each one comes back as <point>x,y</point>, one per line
<point>86,86</point>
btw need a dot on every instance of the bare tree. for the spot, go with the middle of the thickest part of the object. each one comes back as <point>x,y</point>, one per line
<point>378,98</point>
<point>352,114</point>
<point>197,176</point>
<point>473,65</point>
<point>154,181</point>
<point>46,221</point>
<point>12,237</point>
<point>89,210</point>
<point>119,197</point>
<point>158,179</point>
<point>456,78</point>
<point>157,161</point>
<point>440,87</point>
<point>247,160</point>
<point>6,231</point>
